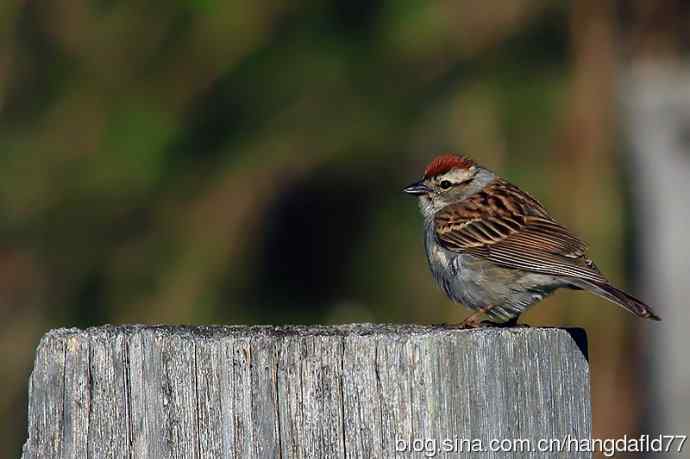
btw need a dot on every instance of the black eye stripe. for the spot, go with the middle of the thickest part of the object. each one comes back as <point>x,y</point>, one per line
<point>445,184</point>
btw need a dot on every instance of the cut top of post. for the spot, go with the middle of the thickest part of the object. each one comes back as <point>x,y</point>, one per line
<point>358,390</point>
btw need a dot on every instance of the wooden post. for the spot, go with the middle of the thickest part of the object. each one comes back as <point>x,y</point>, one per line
<point>267,392</point>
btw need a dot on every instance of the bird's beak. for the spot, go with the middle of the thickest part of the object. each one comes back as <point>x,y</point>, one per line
<point>417,189</point>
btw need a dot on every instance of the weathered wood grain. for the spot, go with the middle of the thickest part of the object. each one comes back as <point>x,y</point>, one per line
<point>346,391</point>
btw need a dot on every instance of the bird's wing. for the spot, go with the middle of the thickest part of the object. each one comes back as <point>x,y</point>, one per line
<point>506,226</point>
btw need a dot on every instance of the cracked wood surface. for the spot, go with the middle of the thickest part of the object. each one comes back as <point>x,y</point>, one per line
<point>265,392</point>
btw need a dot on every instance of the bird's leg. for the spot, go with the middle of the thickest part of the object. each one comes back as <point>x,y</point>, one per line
<point>474,321</point>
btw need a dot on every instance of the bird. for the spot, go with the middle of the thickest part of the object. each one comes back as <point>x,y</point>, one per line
<point>495,249</point>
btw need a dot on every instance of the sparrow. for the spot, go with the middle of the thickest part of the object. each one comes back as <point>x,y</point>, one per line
<point>495,249</point>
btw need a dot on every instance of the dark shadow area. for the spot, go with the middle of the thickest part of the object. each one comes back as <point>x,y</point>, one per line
<point>306,248</point>
<point>579,335</point>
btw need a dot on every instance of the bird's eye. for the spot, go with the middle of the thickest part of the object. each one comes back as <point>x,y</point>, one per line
<point>446,184</point>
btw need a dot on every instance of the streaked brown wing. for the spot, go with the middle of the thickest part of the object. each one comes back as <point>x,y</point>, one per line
<point>508,227</point>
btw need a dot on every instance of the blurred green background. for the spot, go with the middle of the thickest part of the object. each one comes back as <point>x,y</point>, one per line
<point>195,162</point>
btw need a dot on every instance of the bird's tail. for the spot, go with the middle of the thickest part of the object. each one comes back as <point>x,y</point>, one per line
<point>619,297</point>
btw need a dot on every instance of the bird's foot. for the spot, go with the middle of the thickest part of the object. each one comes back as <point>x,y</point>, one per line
<point>469,325</point>
<point>513,323</point>
<point>474,322</point>
<point>465,324</point>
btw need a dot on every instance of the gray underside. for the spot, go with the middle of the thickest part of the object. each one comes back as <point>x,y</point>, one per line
<point>477,283</point>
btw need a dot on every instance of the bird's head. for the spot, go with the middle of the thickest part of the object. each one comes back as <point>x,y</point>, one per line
<point>448,179</point>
